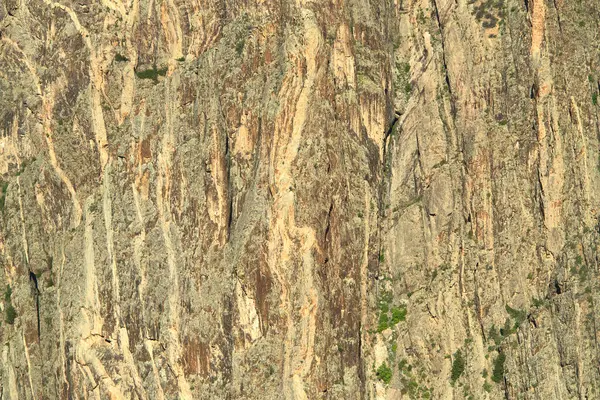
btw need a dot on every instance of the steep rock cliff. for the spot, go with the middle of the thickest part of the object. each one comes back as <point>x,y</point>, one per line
<point>300,200</point>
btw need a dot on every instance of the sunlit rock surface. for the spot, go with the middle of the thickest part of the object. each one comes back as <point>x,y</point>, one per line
<point>299,200</point>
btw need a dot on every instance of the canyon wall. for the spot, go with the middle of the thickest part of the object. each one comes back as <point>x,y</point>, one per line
<point>277,199</point>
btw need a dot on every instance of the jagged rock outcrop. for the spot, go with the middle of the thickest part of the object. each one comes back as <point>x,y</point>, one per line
<point>300,200</point>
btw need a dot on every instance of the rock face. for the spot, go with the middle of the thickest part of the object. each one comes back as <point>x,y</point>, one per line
<point>362,199</point>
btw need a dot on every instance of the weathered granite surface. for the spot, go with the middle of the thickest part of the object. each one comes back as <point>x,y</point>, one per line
<point>358,199</point>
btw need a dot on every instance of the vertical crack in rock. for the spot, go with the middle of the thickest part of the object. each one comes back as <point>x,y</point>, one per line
<point>36,294</point>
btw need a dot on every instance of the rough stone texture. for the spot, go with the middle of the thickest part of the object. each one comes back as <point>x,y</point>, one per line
<point>355,199</point>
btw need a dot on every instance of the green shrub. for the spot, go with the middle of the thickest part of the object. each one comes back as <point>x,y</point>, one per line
<point>583,273</point>
<point>595,98</point>
<point>487,387</point>
<point>386,296</point>
<point>383,322</point>
<point>458,366</point>
<point>151,73</point>
<point>421,17</point>
<point>398,314</point>
<point>508,330</point>
<point>518,315</point>
<point>120,58</point>
<point>498,373</point>
<point>384,373</point>
<point>538,302</point>
<point>239,47</point>
<point>9,310</point>
<point>3,189</point>
<point>11,314</point>
<point>413,388</point>
<point>7,294</point>
<point>494,335</point>
<point>384,307</point>
<point>404,366</point>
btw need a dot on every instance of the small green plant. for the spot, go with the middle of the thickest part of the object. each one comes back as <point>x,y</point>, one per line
<point>383,322</point>
<point>7,293</point>
<point>507,330</point>
<point>518,315</point>
<point>151,73</point>
<point>434,274</point>
<point>384,373</point>
<point>498,373</point>
<point>384,307</point>
<point>403,365</point>
<point>385,298</point>
<point>120,58</point>
<point>3,189</point>
<point>440,164</point>
<point>413,388</point>
<point>487,387</point>
<point>11,314</point>
<point>398,315</point>
<point>180,59</point>
<point>421,17</point>
<point>595,98</point>
<point>494,335</point>
<point>239,47</point>
<point>458,366</point>
<point>9,310</point>
<point>583,273</point>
